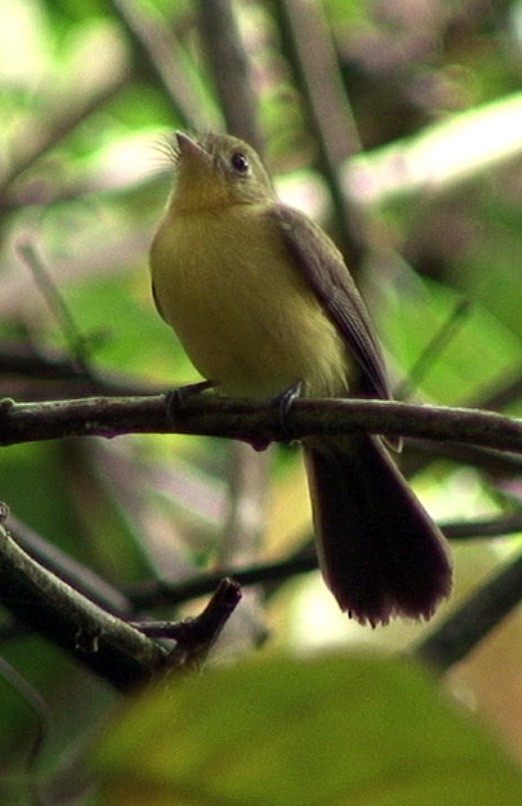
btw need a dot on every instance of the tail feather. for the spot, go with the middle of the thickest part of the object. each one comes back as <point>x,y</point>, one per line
<point>379,551</point>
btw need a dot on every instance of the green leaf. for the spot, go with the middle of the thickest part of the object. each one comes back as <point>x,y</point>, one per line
<point>332,730</point>
<point>479,353</point>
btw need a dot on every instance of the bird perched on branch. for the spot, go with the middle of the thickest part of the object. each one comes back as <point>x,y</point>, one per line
<point>262,301</point>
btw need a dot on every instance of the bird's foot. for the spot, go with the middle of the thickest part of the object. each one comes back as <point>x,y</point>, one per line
<point>284,402</point>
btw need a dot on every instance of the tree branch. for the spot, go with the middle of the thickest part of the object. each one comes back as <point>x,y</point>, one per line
<point>161,592</point>
<point>105,644</point>
<point>310,49</point>
<point>230,68</point>
<point>161,54</point>
<point>252,421</point>
<point>196,636</point>
<point>83,579</point>
<point>23,360</point>
<point>120,652</point>
<point>27,593</point>
<point>158,592</point>
<point>473,620</point>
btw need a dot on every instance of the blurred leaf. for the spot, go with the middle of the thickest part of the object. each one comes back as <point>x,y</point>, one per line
<point>133,337</point>
<point>480,352</point>
<point>330,730</point>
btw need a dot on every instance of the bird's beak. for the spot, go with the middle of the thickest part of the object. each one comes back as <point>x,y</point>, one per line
<point>195,171</point>
<point>189,149</point>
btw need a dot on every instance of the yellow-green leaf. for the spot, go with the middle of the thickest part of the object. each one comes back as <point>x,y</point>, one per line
<point>331,730</point>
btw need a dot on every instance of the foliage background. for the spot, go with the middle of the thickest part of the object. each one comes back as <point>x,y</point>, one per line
<point>426,138</point>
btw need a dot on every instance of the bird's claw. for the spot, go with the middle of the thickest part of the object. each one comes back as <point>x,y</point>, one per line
<point>284,402</point>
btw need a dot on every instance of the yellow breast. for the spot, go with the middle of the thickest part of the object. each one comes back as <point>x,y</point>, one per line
<point>243,311</point>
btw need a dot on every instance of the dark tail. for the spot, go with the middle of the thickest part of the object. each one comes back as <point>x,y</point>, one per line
<point>380,553</point>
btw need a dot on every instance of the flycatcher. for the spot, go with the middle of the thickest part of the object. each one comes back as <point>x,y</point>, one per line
<point>261,300</point>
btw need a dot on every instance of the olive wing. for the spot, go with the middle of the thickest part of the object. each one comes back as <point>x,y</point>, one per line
<point>323,265</point>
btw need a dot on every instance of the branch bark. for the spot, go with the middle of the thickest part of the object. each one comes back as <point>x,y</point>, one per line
<point>472,621</point>
<point>257,422</point>
<point>160,592</point>
<point>105,644</point>
<point>230,69</point>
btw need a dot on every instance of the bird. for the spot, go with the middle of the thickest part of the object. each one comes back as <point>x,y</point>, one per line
<point>263,302</point>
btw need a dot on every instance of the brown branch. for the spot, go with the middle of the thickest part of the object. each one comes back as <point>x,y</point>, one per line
<point>105,644</point>
<point>24,360</point>
<point>161,592</point>
<point>158,592</point>
<point>310,49</point>
<point>74,608</point>
<point>252,421</point>
<point>73,573</point>
<point>196,636</point>
<point>164,58</point>
<point>473,620</point>
<point>230,69</point>
<point>60,378</point>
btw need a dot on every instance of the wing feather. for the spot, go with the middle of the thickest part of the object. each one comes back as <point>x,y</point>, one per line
<point>315,255</point>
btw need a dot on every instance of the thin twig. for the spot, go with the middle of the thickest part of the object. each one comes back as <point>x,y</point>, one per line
<point>46,132</point>
<point>473,620</point>
<point>245,521</point>
<point>70,571</point>
<point>76,341</point>
<point>433,350</point>
<point>196,636</point>
<point>24,360</point>
<point>483,529</point>
<point>44,717</point>
<point>496,463</point>
<point>157,593</point>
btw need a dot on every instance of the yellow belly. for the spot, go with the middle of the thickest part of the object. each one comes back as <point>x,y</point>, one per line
<point>244,313</point>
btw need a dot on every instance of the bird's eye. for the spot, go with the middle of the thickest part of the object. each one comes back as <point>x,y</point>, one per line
<point>239,162</point>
